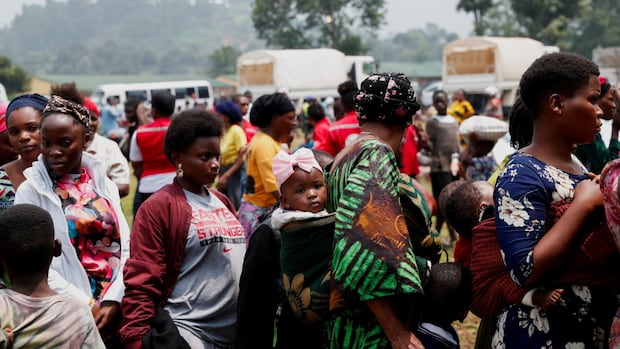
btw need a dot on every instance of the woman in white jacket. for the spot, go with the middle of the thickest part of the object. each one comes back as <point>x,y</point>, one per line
<point>85,207</point>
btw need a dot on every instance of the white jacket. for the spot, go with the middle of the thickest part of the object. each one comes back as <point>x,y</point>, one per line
<point>66,274</point>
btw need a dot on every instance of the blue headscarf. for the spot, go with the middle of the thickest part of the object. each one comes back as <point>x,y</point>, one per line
<point>231,110</point>
<point>33,100</point>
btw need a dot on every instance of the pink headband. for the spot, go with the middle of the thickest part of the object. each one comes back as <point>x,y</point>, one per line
<point>284,163</point>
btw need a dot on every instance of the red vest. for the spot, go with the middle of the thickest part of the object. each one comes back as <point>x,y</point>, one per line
<point>150,139</point>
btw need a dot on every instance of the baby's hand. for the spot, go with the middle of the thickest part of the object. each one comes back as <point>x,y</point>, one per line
<point>588,195</point>
<point>551,298</point>
<point>10,337</point>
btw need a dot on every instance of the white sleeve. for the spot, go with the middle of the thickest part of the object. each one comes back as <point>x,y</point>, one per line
<point>134,151</point>
<point>116,291</point>
<point>118,167</point>
<point>26,194</point>
<point>62,286</point>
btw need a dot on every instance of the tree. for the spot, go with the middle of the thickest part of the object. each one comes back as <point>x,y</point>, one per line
<point>500,21</point>
<point>316,23</point>
<point>223,61</point>
<point>547,20</point>
<point>598,26</point>
<point>14,78</point>
<point>415,45</point>
<point>479,8</point>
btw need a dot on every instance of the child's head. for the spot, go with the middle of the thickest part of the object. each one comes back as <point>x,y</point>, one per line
<point>448,293</point>
<point>469,203</point>
<point>27,235</point>
<point>445,193</point>
<point>300,179</point>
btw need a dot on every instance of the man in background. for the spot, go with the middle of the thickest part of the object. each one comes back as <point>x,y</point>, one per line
<point>146,152</point>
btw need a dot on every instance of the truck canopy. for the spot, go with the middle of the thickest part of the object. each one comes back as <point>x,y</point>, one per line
<point>476,63</point>
<point>307,72</point>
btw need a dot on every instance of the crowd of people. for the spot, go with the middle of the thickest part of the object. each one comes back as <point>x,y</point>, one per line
<point>245,234</point>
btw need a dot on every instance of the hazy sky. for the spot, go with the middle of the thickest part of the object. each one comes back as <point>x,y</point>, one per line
<point>402,15</point>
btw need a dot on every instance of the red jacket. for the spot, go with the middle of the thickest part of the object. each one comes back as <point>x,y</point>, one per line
<point>320,133</point>
<point>150,140</point>
<point>341,133</point>
<point>157,249</point>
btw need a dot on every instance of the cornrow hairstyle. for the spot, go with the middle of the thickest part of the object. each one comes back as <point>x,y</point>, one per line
<point>520,125</point>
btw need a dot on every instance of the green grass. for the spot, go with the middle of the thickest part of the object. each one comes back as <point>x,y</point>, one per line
<point>127,201</point>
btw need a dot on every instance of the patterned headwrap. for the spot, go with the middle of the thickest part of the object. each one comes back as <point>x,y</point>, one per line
<point>57,104</point>
<point>386,97</point>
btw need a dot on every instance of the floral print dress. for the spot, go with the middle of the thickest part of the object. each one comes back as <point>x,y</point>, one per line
<point>93,229</point>
<point>525,189</point>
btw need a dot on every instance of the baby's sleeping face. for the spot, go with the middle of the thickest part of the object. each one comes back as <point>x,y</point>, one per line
<point>304,191</point>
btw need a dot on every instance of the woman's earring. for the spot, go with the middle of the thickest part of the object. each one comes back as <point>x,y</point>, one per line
<point>179,170</point>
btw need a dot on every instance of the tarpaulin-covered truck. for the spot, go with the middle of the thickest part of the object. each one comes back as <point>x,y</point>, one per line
<point>302,72</point>
<point>477,63</point>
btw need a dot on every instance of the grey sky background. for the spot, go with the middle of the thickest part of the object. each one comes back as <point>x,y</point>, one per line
<point>401,16</point>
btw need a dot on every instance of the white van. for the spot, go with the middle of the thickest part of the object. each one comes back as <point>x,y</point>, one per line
<point>188,93</point>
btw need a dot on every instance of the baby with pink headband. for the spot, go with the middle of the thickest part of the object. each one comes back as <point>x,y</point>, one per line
<point>303,192</point>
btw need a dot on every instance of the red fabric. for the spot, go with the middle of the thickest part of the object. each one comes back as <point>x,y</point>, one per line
<point>492,286</point>
<point>320,133</point>
<point>462,251</point>
<point>341,133</point>
<point>150,140</point>
<point>594,262</point>
<point>249,129</point>
<point>409,153</point>
<point>157,249</point>
<point>90,105</point>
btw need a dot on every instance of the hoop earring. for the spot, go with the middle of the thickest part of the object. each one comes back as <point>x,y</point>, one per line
<point>180,170</point>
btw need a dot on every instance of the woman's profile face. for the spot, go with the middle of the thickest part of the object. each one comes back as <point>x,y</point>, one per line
<point>282,126</point>
<point>200,163</point>
<point>62,143</point>
<point>23,128</point>
<point>608,103</point>
<point>581,113</point>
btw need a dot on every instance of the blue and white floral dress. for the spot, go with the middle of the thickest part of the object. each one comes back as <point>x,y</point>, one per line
<point>525,189</point>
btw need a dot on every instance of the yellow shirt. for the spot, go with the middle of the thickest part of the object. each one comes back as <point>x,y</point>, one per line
<point>461,110</point>
<point>260,181</point>
<point>233,140</point>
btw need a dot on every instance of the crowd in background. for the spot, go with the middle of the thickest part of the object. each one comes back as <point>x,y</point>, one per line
<point>267,222</point>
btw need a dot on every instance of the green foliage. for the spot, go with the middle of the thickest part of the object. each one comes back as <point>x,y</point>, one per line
<point>577,26</point>
<point>14,79</point>
<point>479,8</point>
<point>597,26</point>
<point>317,23</point>
<point>546,20</point>
<point>121,37</point>
<point>416,45</point>
<point>500,21</point>
<point>223,61</point>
